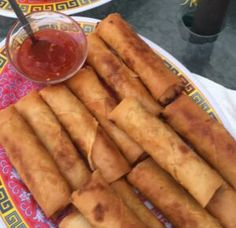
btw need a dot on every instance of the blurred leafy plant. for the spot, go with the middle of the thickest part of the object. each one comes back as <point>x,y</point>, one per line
<point>190,2</point>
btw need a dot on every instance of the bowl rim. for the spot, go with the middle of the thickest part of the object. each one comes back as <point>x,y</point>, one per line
<point>53,81</point>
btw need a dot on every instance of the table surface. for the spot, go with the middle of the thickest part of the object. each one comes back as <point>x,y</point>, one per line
<point>158,21</point>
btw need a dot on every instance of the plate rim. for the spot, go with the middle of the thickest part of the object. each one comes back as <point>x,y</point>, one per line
<point>11,14</point>
<point>165,54</point>
<point>170,58</point>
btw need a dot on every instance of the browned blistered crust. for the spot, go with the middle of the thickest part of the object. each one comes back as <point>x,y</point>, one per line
<point>161,82</point>
<point>210,139</point>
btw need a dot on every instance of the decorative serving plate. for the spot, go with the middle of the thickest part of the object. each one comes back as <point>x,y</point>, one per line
<point>17,206</point>
<point>65,6</point>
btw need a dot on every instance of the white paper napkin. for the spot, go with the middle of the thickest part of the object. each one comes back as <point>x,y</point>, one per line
<point>2,224</point>
<point>222,99</point>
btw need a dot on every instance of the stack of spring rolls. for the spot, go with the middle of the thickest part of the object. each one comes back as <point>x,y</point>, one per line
<point>122,122</point>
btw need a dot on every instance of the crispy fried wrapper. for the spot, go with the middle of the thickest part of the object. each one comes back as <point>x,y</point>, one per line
<point>161,82</point>
<point>87,87</point>
<point>102,207</point>
<point>48,129</point>
<point>125,191</point>
<point>176,204</point>
<point>117,75</point>
<point>167,149</point>
<point>74,220</point>
<point>33,163</point>
<point>90,138</point>
<point>210,139</point>
<point>223,206</point>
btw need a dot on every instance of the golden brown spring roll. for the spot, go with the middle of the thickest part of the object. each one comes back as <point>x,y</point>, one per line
<point>210,138</point>
<point>102,206</point>
<point>33,163</point>
<point>44,123</point>
<point>167,149</point>
<point>162,190</point>
<point>117,75</point>
<point>223,206</point>
<point>101,152</point>
<point>125,191</point>
<point>87,87</point>
<point>163,85</point>
<point>74,220</point>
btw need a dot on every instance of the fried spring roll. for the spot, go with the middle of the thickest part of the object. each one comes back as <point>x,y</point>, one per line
<point>117,75</point>
<point>74,220</point>
<point>102,206</point>
<point>163,85</point>
<point>210,138</point>
<point>100,151</point>
<point>167,149</point>
<point>96,98</point>
<point>162,190</point>
<point>125,191</point>
<point>46,126</point>
<point>223,206</point>
<point>33,163</point>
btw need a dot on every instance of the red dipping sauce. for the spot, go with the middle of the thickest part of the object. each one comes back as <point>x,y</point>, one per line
<point>54,55</point>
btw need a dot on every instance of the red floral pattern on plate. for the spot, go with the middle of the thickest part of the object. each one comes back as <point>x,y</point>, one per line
<point>12,88</point>
<point>38,1</point>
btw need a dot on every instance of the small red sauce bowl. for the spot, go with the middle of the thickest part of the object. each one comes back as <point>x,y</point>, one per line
<point>59,52</point>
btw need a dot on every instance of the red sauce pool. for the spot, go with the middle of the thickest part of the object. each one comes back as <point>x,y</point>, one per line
<point>54,55</point>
